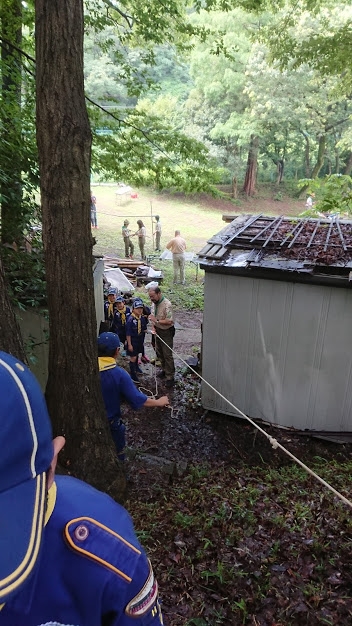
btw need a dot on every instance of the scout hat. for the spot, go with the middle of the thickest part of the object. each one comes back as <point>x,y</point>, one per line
<point>138,303</point>
<point>112,291</point>
<point>26,455</point>
<point>108,342</point>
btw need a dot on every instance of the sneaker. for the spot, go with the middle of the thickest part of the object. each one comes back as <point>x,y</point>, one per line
<point>161,374</point>
<point>145,359</point>
<point>169,382</point>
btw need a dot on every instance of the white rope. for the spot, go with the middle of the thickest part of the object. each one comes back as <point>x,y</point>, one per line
<point>274,443</point>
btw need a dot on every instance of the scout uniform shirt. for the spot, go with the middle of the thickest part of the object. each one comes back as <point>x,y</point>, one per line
<point>91,570</point>
<point>163,311</point>
<point>136,328</point>
<point>118,325</point>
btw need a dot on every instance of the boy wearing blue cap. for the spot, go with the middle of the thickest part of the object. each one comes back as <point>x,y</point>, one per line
<point>110,307</point>
<point>136,327</point>
<point>116,385</point>
<point>68,553</point>
<point>121,314</point>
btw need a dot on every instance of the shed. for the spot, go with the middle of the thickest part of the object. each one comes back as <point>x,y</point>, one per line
<point>277,337</point>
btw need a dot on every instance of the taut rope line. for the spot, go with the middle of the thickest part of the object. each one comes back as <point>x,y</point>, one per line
<point>275,444</point>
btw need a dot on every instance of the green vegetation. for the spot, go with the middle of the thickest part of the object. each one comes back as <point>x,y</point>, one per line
<point>221,553</point>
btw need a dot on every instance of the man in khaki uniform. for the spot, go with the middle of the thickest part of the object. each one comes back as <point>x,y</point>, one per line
<point>126,234</point>
<point>162,319</point>
<point>177,245</point>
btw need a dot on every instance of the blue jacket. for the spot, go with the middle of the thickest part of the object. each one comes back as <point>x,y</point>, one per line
<point>119,321</point>
<point>117,386</point>
<point>92,571</point>
<point>136,329</point>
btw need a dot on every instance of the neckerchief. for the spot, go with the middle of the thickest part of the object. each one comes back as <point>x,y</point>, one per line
<point>157,304</point>
<point>111,309</point>
<point>106,363</point>
<point>139,323</point>
<point>122,314</point>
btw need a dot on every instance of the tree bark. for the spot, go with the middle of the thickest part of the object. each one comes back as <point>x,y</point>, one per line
<point>10,334</point>
<point>252,165</point>
<point>64,142</point>
<point>280,167</point>
<point>10,114</point>
<point>348,168</point>
<point>321,155</point>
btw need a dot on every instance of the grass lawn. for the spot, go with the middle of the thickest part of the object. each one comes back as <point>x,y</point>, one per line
<point>198,216</point>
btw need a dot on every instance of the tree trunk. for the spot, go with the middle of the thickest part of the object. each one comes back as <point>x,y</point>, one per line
<point>280,166</point>
<point>348,168</point>
<point>252,164</point>
<point>234,187</point>
<point>321,155</point>
<point>306,155</point>
<point>319,164</point>
<point>64,142</point>
<point>10,122</point>
<point>10,334</point>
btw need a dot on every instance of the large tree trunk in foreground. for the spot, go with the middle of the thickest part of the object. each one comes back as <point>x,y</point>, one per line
<point>64,142</point>
<point>10,121</point>
<point>10,334</point>
<point>252,165</point>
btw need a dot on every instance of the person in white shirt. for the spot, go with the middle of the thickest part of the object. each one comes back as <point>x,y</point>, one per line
<point>177,245</point>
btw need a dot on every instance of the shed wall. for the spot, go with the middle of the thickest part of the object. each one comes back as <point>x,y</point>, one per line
<point>280,351</point>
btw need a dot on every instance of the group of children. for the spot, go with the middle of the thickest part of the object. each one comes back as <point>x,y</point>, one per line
<point>130,324</point>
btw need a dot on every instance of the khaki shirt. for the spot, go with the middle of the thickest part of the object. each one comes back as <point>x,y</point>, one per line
<point>163,311</point>
<point>125,232</point>
<point>177,245</point>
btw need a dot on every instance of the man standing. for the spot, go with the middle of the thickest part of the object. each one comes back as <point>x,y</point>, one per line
<point>157,233</point>
<point>93,211</point>
<point>162,319</point>
<point>126,234</point>
<point>177,245</point>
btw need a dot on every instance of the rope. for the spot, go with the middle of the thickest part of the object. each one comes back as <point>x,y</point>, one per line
<point>274,443</point>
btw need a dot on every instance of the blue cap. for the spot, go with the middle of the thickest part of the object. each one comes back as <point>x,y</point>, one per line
<point>109,341</point>
<point>137,303</point>
<point>26,454</point>
<point>120,299</point>
<point>112,291</point>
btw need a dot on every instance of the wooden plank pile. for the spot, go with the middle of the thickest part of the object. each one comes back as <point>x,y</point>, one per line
<point>127,266</point>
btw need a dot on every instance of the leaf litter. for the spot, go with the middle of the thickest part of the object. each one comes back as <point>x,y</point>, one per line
<point>236,531</point>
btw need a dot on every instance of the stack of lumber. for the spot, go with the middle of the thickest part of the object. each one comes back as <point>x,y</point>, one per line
<point>127,266</point>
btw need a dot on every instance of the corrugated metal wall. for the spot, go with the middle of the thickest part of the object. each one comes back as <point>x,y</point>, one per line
<point>279,351</point>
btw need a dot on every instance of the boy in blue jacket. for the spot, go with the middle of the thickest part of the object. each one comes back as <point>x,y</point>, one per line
<point>68,553</point>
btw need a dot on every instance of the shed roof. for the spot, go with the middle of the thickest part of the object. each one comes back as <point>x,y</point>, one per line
<point>282,248</point>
